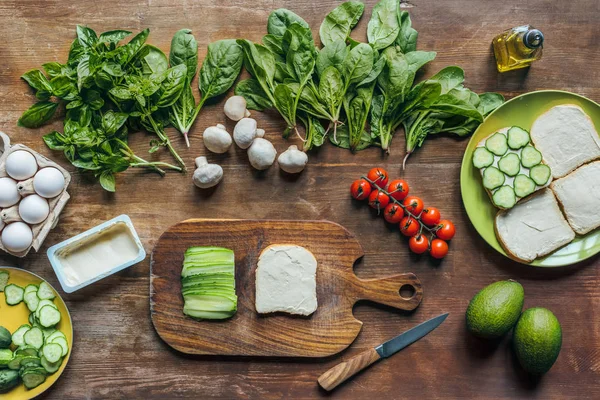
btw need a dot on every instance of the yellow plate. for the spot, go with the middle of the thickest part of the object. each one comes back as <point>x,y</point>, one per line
<point>12,317</point>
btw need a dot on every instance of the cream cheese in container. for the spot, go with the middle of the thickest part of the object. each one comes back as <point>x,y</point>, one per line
<point>97,253</point>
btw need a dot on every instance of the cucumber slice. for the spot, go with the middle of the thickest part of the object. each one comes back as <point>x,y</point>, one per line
<point>3,280</point>
<point>505,197</point>
<point>482,158</point>
<point>497,144</point>
<point>62,342</point>
<point>15,363</point>
<point>47,332</point>
<point>31,300</point>
<point>46,292</point>
<point>34,337</point>
<point>492,178</point>
<point>530,156</point>
<point>31,318</point>
<point>17,336</point>
<point>50,367</point>
<point>53,336</point>
<point>49,316</point>
<point>540,174</point>
<point>33,379</point>
<point>510,164</point>
<point>52,352</point>
<point>27,351</point>
<point>42,304</point>
<point>517,138</point>
<point>13,294</point>
<point>30,361</point>
<point>31,288</point>
<point>524,185</point>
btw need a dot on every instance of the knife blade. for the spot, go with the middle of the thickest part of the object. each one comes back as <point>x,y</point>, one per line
<point>345,370</point>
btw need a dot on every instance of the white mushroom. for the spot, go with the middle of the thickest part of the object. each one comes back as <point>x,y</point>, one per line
<point>292,160</point>
<point>245,132</point>
<point>261,154</point>
<point>235,108</point>
<point>217,139</point>
<point>207,175</point>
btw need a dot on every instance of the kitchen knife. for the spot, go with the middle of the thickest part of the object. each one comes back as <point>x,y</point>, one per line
<point>343,371</point>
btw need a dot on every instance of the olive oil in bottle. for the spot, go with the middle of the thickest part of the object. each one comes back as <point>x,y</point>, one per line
<point>517,47</point>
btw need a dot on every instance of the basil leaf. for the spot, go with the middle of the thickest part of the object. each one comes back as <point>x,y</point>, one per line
<point>113,121</point>
<point>333,54</point>
<point>121,93</point>
<point>86,165</point>
<point>407,37</point>
<point>53,69</point>
<point>54,140</point>
<point>220,68</point>
<point>358,64</point>
<point>339,22</point>
<point>131,49</point>
<point>93,99</point>
<point>86,36</point>
<point>256,99</point>
<point>113,69</point>
<point>75,53</point>
<point>83,71</point>
<point>107,180</point>
<point>38,114</point>
<point>383,28</point>
<point>38,81</point>
<point>184,50</point>
<point>172,86</point>
<point>64,88</point>
<point>279,20</point>
<point>114,36</point>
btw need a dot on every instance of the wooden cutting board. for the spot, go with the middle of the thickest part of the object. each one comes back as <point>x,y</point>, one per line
<point>327,331</point>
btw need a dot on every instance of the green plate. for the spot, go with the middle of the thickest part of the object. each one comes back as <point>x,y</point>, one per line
<point>522,111</point>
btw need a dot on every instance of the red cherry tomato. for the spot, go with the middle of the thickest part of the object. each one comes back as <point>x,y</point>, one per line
<point>439,248</point>
<point>360,189</point>
<point>446,230</point>
<point>398,189</point>
<point>378,199</point>
<point>414,205</point>
<point>378,176</point>
<point>409,226</point>
<point>418,244</point>
<point>430,216</point>
<point>393,213</point>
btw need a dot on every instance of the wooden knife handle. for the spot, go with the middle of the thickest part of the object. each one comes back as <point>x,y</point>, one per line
<point>345,370</point>
<point>387,291</point>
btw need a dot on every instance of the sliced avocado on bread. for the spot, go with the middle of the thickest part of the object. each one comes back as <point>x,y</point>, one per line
<point>579,196</point>
<point>566,137</point>
<point>533,228</point>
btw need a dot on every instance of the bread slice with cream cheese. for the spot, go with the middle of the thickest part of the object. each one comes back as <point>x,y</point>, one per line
<point>286,280</point>
<point>533,228</point>
<point>579,196</point>
<point>566,137</point>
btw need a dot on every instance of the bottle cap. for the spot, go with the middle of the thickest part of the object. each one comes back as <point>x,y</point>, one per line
<point>533,38</point>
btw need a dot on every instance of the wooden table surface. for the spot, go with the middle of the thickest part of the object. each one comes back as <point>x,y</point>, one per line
<point>118,355</point>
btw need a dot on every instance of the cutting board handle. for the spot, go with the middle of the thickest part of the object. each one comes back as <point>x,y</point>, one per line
<point>387,291</point>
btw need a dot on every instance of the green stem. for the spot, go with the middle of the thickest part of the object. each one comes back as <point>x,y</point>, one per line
<point>165,139</point>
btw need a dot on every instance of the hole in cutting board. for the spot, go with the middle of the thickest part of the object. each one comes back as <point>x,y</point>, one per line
<point>407,291</point>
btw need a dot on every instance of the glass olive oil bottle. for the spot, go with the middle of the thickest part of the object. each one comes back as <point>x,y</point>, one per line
<point>517,47</point>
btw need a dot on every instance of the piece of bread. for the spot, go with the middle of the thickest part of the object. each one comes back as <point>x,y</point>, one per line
<point>566,137</point>
<point>533,228</point>
<point>579,196</point>
<point>286,280</point>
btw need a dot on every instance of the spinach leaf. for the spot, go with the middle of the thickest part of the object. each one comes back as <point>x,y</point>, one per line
<point>220,68</point>
<point>315,133</point>
<point>273,43</point>
<point>331,55</point>
<point>331,89</point>
<point>384,26</point>
<point>280,19</point>
<point>184,50</point>
<point>407,37</point>
<point>488,102</point>
<point>38,114</point>
<point>151,60</point>
<point>256,98</point>
<point>358,64</point>
<point>339,22</point>
<point>113,36</point>
<point>285,104</point>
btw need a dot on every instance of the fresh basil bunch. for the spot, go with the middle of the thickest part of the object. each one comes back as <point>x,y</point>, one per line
<point>110,89</point>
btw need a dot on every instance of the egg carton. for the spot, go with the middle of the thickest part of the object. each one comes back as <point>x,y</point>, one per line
<point>25,188</point>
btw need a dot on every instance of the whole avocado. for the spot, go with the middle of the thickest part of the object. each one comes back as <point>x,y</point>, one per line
<point>5,338</point>
<point>537,340</point>
<point>495,309</point>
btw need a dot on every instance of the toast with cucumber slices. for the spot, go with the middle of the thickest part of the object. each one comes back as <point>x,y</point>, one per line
<point>511,167</point>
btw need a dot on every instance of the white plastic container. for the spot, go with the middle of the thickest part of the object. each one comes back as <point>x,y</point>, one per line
<point>97,253</point>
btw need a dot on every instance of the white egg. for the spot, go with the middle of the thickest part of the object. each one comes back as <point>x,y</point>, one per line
<point>34,209</point>
<point>21,165</point>
<point>49,182</point>
<point>9,196</point>
<point>17,237</point>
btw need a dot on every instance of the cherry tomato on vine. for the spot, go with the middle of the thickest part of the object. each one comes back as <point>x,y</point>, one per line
<point>430,216</point>
<point>378,176</point>
<point>360,189</point>
<point>418,244</point>
<point>409,226</point>
<point>439,248</point>
<point>414,205</point>
<point>393,213</point>
<point>398,189</point>
<point>378,199</point>
<point>446,230</point>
